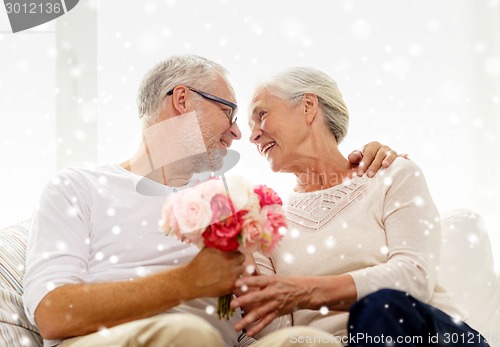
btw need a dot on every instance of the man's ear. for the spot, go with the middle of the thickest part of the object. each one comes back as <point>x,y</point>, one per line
<point>310,106</point>
<point>179,97</point>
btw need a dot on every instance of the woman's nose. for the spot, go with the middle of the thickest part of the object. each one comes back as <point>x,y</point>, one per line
<point>255,134</point>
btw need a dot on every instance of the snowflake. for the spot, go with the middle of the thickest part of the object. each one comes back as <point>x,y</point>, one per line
<point>61,246</point>
<point>116,230</point>
<point>210,309</point>
<point>51,286</point>
<point>473,239</point>
<point>141,271</point>
<point>288,258</point>
<point>330,242</point>
<point>492,66</point>
<point>71,211</point>
<point>419,201</point>
<point>282,231</point>
<point>25,341</point>
<point>361,29</point>
<point>295,233</point>
<point>311,249</point>
<point>250,269</point>
<point>104,332</point>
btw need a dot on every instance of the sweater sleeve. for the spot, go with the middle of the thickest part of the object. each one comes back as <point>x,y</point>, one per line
<point>413,235</point>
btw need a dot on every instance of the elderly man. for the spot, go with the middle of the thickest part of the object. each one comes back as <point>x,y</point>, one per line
<point>99,273</point>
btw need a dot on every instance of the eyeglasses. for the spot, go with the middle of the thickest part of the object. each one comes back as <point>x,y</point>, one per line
<point>231,115</point>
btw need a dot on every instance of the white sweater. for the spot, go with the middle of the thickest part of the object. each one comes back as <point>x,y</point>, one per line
<point>384,231</point>
<point>92,226</point>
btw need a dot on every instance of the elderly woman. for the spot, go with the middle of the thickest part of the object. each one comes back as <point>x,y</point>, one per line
<point>359,259</point>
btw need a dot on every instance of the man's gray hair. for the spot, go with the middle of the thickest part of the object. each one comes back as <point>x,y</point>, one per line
<point>188,70</point>
<point>293,83</point>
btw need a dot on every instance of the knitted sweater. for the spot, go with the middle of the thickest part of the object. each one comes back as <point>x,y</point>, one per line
<point>383,231</point>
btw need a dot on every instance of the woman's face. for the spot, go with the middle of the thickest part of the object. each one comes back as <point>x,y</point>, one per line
<point>276,130</point>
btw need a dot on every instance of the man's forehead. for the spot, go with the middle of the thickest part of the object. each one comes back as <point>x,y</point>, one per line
<point>226,90</point>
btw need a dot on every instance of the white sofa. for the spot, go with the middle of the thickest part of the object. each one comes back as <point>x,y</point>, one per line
<point>466,269</point>
<point>15,329</point>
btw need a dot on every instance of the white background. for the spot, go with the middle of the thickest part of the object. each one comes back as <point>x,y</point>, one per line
<point>421,76</point>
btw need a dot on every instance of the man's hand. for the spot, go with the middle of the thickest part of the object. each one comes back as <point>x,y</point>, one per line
<point>212,273</point>
<point>251,269</point>
<point>372,157</point>
<point>81,309</point>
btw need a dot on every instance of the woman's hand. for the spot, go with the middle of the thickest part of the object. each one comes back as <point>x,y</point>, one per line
<point>372,157</point>
<point>276,296</point>
<point>251,269</point>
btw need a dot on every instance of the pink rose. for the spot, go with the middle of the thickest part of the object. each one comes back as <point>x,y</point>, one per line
<point>240,191</point>
<point>210,188</point>
<point>267,196</point>
<point>242,217</point>
<point>275,219</point>
<point>221,207</point>
<point>169,223</point>
<point>275,216</point>
<point>251,235</point>
<point>223,235</point>
<point>193,214</point>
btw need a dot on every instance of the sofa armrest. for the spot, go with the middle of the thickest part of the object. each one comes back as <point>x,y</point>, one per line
<point>15,329</point>
<point>467,269</point>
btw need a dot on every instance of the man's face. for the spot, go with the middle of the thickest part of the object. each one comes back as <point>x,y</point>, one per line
<point>218,134</point>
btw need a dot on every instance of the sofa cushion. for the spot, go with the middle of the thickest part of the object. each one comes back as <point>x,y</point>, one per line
<point>13,335</point>
<point>467,269</point>
<point>15,329</point>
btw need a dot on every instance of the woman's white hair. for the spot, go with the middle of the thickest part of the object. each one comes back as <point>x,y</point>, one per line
<point>189,70</point>
<point>293,83</point>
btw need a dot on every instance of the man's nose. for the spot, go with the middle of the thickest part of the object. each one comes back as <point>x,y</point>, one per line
<point>235,131</point>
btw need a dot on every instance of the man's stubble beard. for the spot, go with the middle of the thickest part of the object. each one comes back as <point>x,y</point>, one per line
<point>213,159</point>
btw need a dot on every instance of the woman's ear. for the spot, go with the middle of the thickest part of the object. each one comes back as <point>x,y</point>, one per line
<point>310,106</point>
<point>179,97</point>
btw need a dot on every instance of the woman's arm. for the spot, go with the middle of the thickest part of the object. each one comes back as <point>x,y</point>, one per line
<point>412,227</point>
<point>280,295</point>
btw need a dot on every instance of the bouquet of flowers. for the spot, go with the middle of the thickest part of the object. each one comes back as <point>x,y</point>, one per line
<point>227,215</point>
